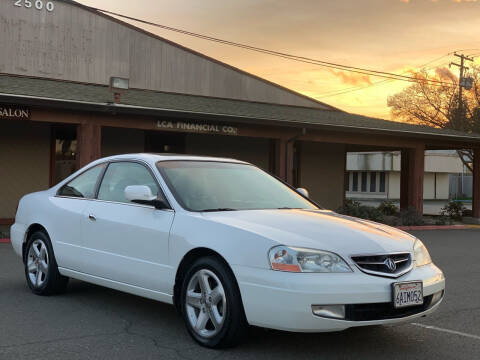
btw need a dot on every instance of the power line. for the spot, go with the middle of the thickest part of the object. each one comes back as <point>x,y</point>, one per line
<point>303,59</point>
<point>357,88</point>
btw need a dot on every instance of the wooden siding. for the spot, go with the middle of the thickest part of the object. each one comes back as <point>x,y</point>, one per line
<point>75,44</point>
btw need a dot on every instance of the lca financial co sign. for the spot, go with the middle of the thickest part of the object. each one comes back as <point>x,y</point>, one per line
<point>12,112</point>
<point>197,127</point>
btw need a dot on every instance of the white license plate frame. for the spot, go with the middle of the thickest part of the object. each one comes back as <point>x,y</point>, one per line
<point>403,294</point>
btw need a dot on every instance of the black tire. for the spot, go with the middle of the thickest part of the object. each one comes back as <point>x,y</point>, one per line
<point>235,325</point>
<point>52,282</point>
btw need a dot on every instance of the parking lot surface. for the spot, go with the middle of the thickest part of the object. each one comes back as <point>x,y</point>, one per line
<point>90,322</point>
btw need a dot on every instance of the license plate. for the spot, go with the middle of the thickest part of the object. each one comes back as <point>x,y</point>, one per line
<point>407,294</point>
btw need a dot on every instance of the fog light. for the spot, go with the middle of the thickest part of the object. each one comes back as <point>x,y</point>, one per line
<point>329,311</point>
<point>436,298</point>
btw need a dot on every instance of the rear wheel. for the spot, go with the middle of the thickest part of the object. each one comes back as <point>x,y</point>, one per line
<point>41,270</point>
<point>211,304</point>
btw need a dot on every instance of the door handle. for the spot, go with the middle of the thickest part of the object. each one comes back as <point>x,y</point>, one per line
<point>91,217</point>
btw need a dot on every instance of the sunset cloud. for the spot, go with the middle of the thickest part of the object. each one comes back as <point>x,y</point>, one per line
<point>398,37</point>
<point>445,73</point>
<point>352,78</point>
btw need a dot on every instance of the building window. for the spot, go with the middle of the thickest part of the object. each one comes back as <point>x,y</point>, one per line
<point>355,181</point>
<point>347,181</point>
<point>364,182</point>
<point>373,182</point>
<point>382,182</point>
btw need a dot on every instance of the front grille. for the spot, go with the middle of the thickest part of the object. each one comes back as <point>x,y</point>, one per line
<point>383,311</point>
<point>391,265</point>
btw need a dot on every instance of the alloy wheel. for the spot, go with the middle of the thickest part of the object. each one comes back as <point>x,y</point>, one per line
<point>37,263</point>
<point>205,303</point>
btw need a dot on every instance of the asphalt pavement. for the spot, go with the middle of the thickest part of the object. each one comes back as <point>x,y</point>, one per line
<point>91,322</point>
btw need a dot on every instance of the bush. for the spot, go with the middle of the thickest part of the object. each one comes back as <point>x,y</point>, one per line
<point>467,212</point>
<point>411,217</point>
<point>388,208</point>
<point>442,220</point>
<point>454,210</point>
<point>355,209</point>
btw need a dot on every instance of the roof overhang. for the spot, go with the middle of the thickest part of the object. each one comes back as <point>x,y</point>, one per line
<point>113,109</point>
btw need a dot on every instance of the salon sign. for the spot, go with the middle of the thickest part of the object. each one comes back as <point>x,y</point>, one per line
<point>11,112</point>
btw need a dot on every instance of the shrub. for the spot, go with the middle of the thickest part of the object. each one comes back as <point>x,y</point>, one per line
<point>391,220</point>
<point>411,217</point>
<point>467,212</point>
<point>454,210</point>
<point>388,208</point>
<point>355,209</point>
<point>350,207</point>
<point>442,220</point>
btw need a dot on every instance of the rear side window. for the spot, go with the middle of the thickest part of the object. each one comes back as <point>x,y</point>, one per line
<point>119,175</point>
<point>84,185</point>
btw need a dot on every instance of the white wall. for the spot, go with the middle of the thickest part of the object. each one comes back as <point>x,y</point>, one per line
<point>393,187</point>
<point>435,161</point>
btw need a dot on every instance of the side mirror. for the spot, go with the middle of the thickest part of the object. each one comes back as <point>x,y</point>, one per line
<point>142,194</point>
<point>304,192</point>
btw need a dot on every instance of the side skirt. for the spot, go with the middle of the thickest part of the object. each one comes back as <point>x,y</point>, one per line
<point>131,289</point>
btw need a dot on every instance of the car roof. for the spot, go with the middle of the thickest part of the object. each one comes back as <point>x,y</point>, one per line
<point>156,157</point>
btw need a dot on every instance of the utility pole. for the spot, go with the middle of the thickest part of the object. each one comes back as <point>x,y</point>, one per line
<point>462,82</point>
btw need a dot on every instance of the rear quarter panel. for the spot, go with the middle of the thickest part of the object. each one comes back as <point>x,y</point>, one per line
<point>55,215</point>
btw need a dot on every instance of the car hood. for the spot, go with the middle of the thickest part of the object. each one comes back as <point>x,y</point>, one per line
<point>318,229</point>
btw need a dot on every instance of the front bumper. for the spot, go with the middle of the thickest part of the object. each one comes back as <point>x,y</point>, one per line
<point>283,301</point>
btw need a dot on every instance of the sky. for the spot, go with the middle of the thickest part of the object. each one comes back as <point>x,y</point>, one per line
<point>387,35</point>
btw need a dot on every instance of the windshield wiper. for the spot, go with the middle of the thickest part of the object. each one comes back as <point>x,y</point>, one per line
<point>217,209</point>
<point>288,208</point>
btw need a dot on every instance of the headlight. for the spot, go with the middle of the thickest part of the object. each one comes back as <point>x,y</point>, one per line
<point>420,254</point>
<point>284,258</point>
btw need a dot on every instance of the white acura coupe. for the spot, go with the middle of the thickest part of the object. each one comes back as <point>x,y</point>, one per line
<point>226,243</point>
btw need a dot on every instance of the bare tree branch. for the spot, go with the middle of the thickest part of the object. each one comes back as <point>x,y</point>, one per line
<point>425,104</point>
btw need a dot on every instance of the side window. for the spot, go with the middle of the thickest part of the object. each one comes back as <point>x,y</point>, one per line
<point>119,175</point>
<point>84,185</point>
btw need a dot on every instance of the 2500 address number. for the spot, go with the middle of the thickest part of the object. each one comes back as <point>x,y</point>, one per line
<point>37,4</point>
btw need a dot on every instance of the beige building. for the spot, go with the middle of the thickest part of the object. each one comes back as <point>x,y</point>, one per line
<point>376,175</point>
<point>76,84</point>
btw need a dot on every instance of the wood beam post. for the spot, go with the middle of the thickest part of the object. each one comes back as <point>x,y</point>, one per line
<point>404,173</point>
<point>411,178</point>
<point>476,184</point>
<point>280,155</point>
<point>89,143</point>
<point>290,148</point>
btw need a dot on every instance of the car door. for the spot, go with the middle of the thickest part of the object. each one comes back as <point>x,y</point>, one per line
<point>127,242</point>
<point>67,214</point>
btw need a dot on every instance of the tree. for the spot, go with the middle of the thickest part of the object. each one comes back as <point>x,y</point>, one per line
<point>438,104</point>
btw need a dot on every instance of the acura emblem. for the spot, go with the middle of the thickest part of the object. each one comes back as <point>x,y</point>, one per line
<point>390,264</point>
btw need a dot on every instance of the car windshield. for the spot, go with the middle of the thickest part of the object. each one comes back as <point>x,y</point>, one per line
<point>222,186</point>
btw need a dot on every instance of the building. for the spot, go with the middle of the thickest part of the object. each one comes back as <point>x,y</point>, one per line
<point>376,175</point>
<point>76,84</point>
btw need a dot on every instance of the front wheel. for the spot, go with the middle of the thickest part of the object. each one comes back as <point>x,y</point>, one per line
<point>211,304</point>
<point>41,270</point>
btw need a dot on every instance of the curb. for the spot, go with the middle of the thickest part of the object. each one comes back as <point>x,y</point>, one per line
<point>4,241</point>
<point>438,227</point>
